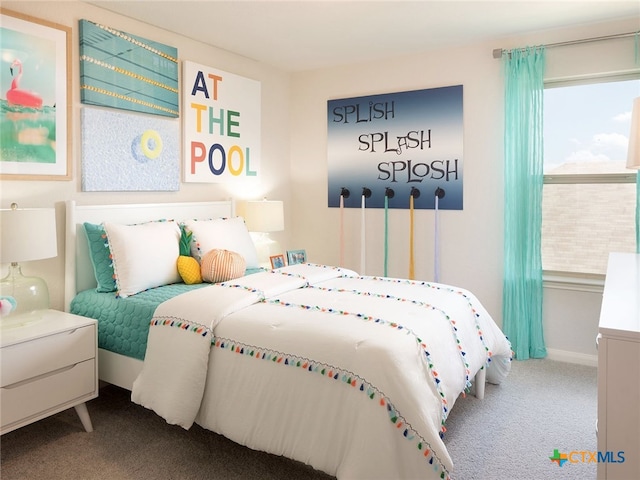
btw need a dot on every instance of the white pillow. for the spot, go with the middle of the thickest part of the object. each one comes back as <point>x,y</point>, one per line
<point>222,234</point>
<point>144,256</point>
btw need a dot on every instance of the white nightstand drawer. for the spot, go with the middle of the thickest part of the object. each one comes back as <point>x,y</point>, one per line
<point>41,394</point>
<point>26,360</point>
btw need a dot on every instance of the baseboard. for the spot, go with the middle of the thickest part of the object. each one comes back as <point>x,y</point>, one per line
<point>572,357</point>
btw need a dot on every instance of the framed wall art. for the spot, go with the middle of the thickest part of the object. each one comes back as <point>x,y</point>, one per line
<point>410,141</point>
<point>35,93</point>
<point>128,152</point>
<point>221,126</point>
<point>124,71</point>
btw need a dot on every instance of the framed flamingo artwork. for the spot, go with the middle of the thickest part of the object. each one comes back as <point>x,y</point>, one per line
<point>35,98</point>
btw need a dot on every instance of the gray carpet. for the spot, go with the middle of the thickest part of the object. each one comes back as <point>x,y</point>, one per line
<point>542,406</point>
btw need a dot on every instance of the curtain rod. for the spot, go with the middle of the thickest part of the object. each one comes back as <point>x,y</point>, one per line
<point>497,52</point>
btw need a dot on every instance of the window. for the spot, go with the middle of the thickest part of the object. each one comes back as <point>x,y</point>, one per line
<point>589,196</point>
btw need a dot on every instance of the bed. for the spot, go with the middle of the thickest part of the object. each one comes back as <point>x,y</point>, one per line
<point>352,375</point>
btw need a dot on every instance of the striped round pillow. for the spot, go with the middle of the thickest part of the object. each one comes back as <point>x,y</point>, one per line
<point>221,265</point>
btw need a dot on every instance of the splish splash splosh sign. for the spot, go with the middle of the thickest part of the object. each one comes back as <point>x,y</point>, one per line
<point>400,141</point>
<point>221,123</point>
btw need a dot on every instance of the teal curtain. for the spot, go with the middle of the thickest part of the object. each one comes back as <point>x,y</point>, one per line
<point>638,212</point>
<point>637,58</point>
<point>523,170</point>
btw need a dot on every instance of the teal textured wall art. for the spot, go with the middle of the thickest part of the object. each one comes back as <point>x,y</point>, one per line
<point>121,70</point>
<point>129,152</point>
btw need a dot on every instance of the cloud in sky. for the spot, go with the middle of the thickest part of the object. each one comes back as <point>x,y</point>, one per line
<point>602,147</point>
<point>588,123</point>
<point>624,117</point>
<point>585,155</point>
<point>610,140</point>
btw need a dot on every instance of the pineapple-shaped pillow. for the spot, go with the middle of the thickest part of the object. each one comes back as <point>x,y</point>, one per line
<point>188,267</point>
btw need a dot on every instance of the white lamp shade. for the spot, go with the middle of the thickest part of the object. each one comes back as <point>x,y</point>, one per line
<point>264,216</point>
<point>633,155</point>
<point>27,234</point>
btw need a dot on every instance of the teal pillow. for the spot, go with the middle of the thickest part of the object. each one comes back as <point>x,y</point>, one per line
<point>100,254</point>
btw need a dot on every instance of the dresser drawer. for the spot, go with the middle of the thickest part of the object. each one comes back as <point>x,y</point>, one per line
<point>40,395</point>
<point>46,354</point>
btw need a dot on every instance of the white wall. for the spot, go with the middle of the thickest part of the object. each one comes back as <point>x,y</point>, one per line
<point>294,139</point>
<point>275,134</point>
<point>464,234</point>
<point>471,239</point>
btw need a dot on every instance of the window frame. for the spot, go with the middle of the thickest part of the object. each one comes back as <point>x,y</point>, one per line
<point>586,282</point>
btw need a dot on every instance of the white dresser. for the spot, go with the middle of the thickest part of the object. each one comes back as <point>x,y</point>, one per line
<point>48,363</point>
<point>619,370</point>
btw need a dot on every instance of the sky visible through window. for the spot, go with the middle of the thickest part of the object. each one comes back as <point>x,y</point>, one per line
<point>586,131</point>
<point>588,124</point>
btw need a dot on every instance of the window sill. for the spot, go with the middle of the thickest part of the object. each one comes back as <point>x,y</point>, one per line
<point>573,281</point>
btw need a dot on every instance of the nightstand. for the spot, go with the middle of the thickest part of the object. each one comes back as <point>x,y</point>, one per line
<point>48,363</point>
<point>619,370</point>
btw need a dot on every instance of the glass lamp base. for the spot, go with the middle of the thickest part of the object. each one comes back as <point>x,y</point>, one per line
<point>25,294</point>
<point>265,247</point>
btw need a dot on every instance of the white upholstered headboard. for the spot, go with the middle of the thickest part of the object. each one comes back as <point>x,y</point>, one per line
<point>79,273</point>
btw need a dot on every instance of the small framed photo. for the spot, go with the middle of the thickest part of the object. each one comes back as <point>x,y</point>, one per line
<point>296,256</point>
<point>277,261</point>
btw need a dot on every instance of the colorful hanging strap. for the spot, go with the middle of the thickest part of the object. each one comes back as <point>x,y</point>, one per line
<point>386,234</point>
<point>411,256</point>
<point>436,259</point>
<point>363,252</point>
<point>341,230</point>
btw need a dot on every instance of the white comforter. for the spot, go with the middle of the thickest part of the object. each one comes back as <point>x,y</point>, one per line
<point>352,375</point>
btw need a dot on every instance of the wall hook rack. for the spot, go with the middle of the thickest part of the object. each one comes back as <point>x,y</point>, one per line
<point>344,192</point>
<point>415,193</point>
<point>440,193</point>
<point>366,192</point>
<point>389,193</point>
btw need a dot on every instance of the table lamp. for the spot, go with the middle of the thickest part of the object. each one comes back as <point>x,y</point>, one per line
<point>26,234</point>
<point>263,217</point>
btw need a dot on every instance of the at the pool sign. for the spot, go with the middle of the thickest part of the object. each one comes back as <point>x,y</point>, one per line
<point>221,122</point>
